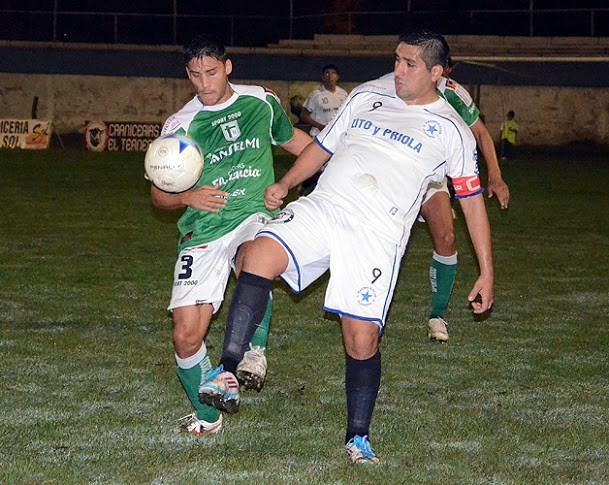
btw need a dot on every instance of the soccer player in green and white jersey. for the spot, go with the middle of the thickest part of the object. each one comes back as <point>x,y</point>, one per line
<point>235,126</point>
<point>436,206</point>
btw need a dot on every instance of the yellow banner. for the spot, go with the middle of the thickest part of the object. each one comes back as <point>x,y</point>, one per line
<point>28,134</point>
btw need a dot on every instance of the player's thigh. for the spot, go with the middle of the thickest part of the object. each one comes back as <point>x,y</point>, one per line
<point>438,215</point>
<point>364,269</point>
<point>243,235</point>
<point>264,257</point>
<point>303,229</point>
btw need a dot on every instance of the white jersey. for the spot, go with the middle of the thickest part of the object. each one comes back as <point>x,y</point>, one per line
<point>323,105</point>
<point>385,153</point>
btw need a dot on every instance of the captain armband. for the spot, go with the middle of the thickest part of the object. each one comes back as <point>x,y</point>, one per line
<point>467,186</point>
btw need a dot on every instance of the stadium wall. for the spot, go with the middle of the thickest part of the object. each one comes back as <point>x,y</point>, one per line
<point>547,115</point>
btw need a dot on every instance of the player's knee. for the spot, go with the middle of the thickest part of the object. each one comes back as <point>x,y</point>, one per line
<point>187,337</point>
<point>186,344</point>
<point>361,343</point>
<point>445,243</point>
<point>362,350</point>
<point>264,257</point>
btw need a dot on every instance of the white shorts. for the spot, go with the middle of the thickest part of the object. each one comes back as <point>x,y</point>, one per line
<point>318,236</point>
<point>201,272</point>
<point>432,189</point>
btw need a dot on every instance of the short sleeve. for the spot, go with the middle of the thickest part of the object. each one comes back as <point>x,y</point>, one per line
<point>282,130</point>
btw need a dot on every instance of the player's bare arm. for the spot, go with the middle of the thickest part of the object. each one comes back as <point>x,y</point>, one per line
<point>479,229</point>
<point>206,198</point>
<point>496,184</point>
<point>297,143</point>
<point>310,161</point>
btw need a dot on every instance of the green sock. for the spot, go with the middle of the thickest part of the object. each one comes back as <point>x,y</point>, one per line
<point>190,372</point>
<point>442,274</point>
<point>261,335</point>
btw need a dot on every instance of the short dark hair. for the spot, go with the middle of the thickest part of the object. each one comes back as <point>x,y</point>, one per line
<point>434,48</point>
<point>207,45</point>
<point>329,66</point>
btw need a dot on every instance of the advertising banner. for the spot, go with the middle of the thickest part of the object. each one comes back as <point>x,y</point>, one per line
<point>123,136</point>
<point>29,134</point>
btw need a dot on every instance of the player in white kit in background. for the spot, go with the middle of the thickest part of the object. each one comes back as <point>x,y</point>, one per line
<point>321,106</point>
<point>391,138</point>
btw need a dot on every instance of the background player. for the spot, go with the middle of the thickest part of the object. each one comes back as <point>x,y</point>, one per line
<point>509,128</point>
<point>235,127</point>
<point>388,141</point>
<point>319,108</point>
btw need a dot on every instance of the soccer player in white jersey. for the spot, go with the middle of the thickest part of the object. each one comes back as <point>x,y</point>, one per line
<point>322,103</point>
<point>235,126</point>
<point>318,110</point>
<point>388,141</point>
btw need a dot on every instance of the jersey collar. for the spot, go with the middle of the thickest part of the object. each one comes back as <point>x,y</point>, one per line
<point>221,106</point>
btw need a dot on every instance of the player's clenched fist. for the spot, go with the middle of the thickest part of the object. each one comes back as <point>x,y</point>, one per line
<point>273,196</point>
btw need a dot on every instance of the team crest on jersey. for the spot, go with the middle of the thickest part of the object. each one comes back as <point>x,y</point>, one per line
<point>286,215</point>
<point>366,296</point>
<point>231,130</point>
<point>432,129</point>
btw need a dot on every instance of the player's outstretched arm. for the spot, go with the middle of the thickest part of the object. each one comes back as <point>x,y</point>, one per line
<point>206,198</point>
<point>310,161</point>
<point>496,184</point>
<point>480,234</point>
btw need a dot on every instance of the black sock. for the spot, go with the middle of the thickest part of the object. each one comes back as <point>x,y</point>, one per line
<point>362,381</point>
<point>246,312</point>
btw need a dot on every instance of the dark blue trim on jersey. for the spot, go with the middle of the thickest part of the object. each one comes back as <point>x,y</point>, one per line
<point>287,250</point>
<point>357,317</point>
<point>322,147</point>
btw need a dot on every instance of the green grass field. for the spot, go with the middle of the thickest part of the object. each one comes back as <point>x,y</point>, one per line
<point>88,386</point>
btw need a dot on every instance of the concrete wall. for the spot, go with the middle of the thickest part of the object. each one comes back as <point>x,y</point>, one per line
<point>546,115</point>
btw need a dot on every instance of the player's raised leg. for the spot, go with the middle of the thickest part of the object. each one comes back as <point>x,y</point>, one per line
<point>264,260</point>
<point>251,371</point>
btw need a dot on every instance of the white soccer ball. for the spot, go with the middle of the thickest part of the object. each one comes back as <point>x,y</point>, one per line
<point>174,163</point>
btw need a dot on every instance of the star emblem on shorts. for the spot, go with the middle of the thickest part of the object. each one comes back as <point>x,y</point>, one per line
<point>366,296</point>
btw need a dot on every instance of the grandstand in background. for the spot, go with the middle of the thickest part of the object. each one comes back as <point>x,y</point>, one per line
<point>549,63</point>
<point>267,22</point>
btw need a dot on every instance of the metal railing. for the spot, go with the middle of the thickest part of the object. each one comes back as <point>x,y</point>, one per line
<point>259,30</point>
